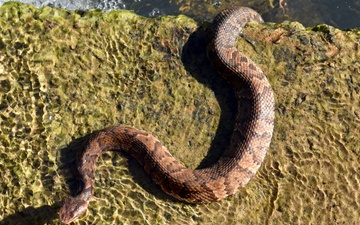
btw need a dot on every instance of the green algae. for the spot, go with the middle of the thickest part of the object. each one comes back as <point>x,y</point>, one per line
<point>66,74</point>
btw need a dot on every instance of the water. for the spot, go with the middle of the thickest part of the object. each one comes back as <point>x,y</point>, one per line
<point>341,14</point>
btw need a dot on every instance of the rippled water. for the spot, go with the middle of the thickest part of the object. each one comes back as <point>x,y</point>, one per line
<point>341,14</point>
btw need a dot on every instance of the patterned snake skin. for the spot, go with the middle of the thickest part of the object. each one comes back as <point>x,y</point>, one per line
<point>240,161</point>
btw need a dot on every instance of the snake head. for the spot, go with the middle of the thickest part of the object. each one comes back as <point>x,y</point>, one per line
<point>71,209</point>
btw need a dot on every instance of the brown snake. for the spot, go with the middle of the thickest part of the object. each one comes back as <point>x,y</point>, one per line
<point>248,145</point>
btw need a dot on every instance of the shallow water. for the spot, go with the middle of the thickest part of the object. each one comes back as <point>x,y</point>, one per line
<point>64,75</point>
<point>341,14</point>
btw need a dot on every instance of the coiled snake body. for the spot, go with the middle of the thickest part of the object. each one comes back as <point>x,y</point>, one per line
<point>240,161</point>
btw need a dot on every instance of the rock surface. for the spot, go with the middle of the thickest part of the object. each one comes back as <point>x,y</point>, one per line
<point>66,74</point>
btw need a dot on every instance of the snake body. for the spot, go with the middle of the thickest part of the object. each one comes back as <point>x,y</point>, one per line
<point>248,145</point>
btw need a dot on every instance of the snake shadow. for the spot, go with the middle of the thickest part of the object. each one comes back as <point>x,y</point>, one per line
<point>35,216</point>
<point>197,64</point>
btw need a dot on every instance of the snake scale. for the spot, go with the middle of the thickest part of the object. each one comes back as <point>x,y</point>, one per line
<point>249,142</point>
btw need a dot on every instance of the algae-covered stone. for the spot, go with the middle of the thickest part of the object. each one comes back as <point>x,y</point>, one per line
<point>66,74</point>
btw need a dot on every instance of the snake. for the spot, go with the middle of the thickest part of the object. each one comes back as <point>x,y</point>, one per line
<point>248,146</point>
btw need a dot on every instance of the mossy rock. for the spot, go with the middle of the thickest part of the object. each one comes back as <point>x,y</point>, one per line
<point>66,74</point>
